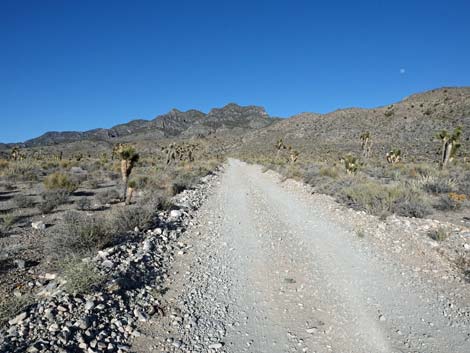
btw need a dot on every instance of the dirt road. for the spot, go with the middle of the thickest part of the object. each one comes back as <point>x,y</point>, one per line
<point>268,271</point>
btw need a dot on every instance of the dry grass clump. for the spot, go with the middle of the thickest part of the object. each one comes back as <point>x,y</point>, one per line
<point>107,196</point>
<point>12,306</point>
<point>7,222</point>
<point>59,181</point>
<point>22,171</point>
<point>127,218</point>
<point>52,199</point>
<point>79,235</point>
<point>81,277</point>
<point>23,201</point>
<point>383,200</point>
<point>451,202</point>
<point>439,234</point>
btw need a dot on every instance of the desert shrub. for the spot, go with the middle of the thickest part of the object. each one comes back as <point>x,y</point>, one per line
<point>158,201</point>
<point>142,182</point>
<point>3,164</point>
<point>83,204</point>
<point>371,197</point>
<point>451,202</point>
<point>114,175</point>
<point>411,203</point>
<point>52,199</point>
<point>8,221</point>
<point>11,306</point>
<point>464,184</point>
<point>421,169</point>
<point>22,170</point>
<point>183,182</point>
<point>93,183</point>
<point>383,200</point>
<point>127,218</point>
<point>107,196</point>
<point>439,234</point>
<point>463,262</point>
<point>292,172</point>
<point>81,277</point>
<point>58,180</point>
<point>50,164</point>
<point>23,201</point>
<point>331,172</point>
<point>434,184</point>
<point>79,234</point>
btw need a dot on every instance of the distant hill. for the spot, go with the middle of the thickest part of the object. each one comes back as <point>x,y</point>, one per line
<point>231,118</point>
<point>410,125</point>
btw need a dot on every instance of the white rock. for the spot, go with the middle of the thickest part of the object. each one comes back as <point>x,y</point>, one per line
<point>466,246</point>
<point>39,225</point>
<point>18,319</point>
<point>175,213</point>
<point>215,345</point>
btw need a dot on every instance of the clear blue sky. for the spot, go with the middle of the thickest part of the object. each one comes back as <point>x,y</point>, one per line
<point>77,65</point>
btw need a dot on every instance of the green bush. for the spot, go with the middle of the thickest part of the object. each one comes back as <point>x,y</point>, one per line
<point>59,181</point>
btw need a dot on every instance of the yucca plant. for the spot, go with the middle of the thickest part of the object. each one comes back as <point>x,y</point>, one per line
<point>279,146</point>
<point>16,154</point>
<point>366,144</point>
<point>129,157</point>
<point>351,163</point>
<point>394,156</point>
<point>131,187</point>
<point>294,155</point>
<point>450,145</point>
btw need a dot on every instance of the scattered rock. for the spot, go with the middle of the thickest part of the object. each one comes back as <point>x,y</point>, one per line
<point>20,264</point>
<point>18,318</point>
<point>39,225</point>
<point>175,214</point>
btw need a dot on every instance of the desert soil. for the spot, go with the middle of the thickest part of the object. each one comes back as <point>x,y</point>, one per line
<point>272,268</point>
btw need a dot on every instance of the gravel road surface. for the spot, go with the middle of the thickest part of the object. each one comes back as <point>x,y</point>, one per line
<point>268,270</point>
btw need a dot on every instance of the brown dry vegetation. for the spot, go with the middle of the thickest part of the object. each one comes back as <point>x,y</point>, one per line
<point>79,202</point>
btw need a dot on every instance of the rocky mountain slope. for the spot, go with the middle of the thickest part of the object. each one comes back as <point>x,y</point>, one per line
<point>410,125</point>
<point>232,117</point>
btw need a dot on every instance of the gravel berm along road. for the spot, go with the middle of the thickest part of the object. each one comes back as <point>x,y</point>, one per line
<point>267,271</point>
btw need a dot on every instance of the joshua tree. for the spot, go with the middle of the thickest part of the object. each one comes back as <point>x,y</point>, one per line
<point>394,156</point>
<point>351,163</point>
<point>294,155</point>
<point>450,145</point>
<point>115,152</point>
<point>79,156</point>
<point>170,153</point>
<point>280,146</point>
<point>128,157</point>
<point>366,144</point>
<point>130,191</point>
<point>16,154</point>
